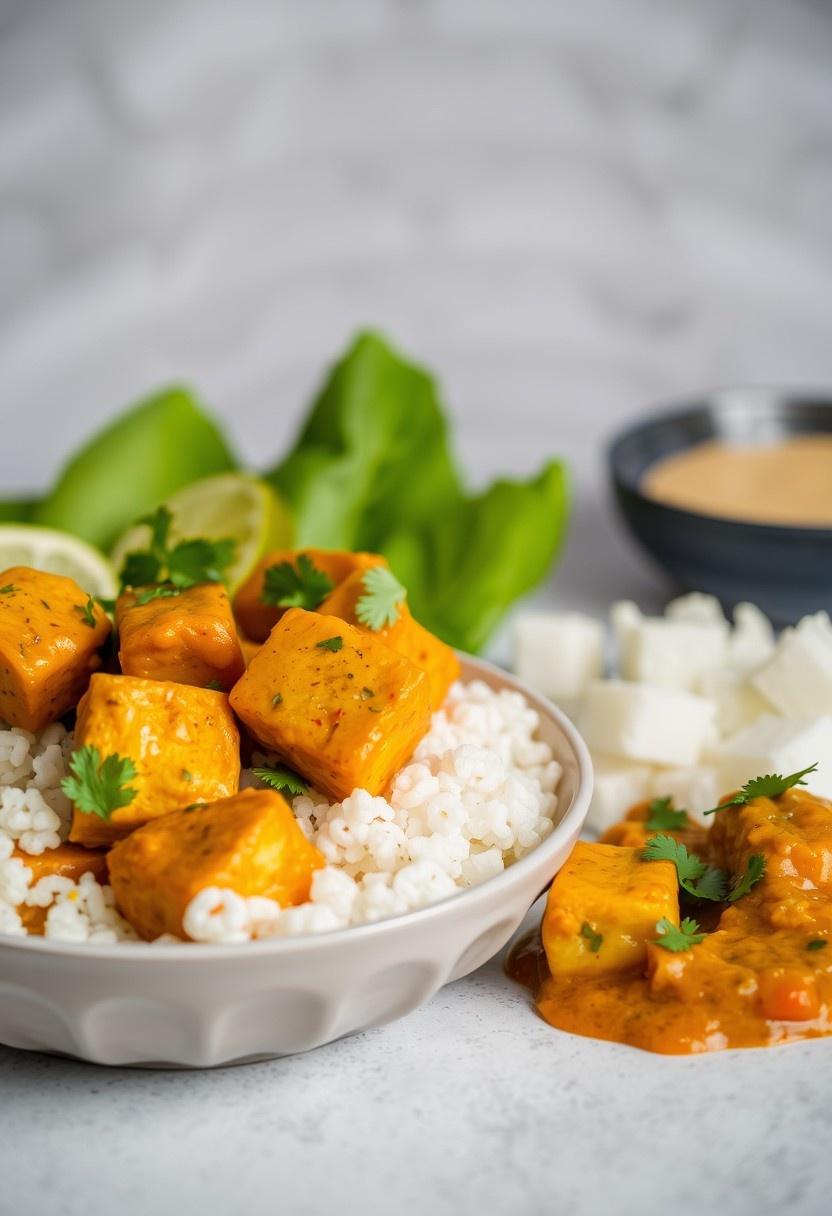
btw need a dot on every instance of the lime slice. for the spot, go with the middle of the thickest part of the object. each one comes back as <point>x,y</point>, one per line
<point>57,553</point>
<point>229,504</point>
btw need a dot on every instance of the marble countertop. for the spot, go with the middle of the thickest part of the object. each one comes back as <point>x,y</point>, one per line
<point>571,212</point>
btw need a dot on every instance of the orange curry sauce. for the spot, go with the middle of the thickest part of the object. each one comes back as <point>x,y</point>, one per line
<point>762,976</point>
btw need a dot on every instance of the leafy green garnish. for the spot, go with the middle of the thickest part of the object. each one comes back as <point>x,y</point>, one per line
<point>9,589</point>
<point>87,612</point>
<point>591,936</point>
<point>367,694</point>
<point>108,605</point>
<point>770,786</point>
<point>661,817</point>
<point>172,568</point>
<point>303,585</point>
<point>187,775</point>
<point>96,786</point>
<point>277,699</point>
<point>817,943</point>
<point>742,884</point>
<point>678,937</point>
<point>333,644</point>
<point>695,876</point>
<point>380,605</point>
<point>215,686</point>
<point>284,780</point>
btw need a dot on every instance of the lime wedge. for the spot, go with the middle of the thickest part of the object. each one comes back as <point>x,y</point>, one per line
<point>57,553</point>
<point>229,504</point>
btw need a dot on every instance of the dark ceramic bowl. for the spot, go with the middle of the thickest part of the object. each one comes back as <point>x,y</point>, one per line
<point>787,571</point>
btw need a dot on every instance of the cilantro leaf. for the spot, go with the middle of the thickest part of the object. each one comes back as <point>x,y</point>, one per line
<point>96,786</point>
<point>770,786</point>
<point>87,612</point>
<point>817,943</point>
<point>694,875</point>
<point>742,884</point>
<point>303,585</point>
<point>108,605</point>
<point>381,602</point>
<point>593,938</point>
<point>192,561</point>
<point>678,937</point>
<point>661,817</point>
<point>215,686</point>
<point>140,568</point>
<point>160,591</point>
<point>9,589</point>
<point>333,644</point>
<point>284,780</point>
<point>159,522</point>
<point>200,561</point>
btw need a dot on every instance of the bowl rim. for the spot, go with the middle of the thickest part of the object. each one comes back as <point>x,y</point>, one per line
<point>169,953</point>
<point>710,403</point>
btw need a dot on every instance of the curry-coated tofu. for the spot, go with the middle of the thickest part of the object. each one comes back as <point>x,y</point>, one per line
<point>333,702</point>
<point>51,634</point>
<point>68,861</point>
<point>250,843</point>
<point>182,740</point>
<point>603,908</point>
<point>189,637</point>
<point>406,636</point>
<point>793,833</point>
<point>257,617</point>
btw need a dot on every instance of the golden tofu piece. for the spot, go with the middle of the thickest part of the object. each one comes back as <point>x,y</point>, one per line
<point>50,637</point>
<point>189,637</point>
<point>183,741</point>
<point>250,843</point>
<point>257,619</point>
<point>603,907</point>
<point>406,637</point>
<point>793,833</point>
<point>69,861</point>
<point>334,703</point>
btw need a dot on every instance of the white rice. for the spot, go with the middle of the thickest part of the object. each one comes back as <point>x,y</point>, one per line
<point>479,792</point>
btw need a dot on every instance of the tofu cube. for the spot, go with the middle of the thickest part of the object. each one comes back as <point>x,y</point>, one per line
<point>334,702</point>
<point>67,861</point>
<point>182,740</point>
<point>654,725</point>
<point>257,619</point>
<point>667,652</point>
<point>50,639</point>
<point>698,609</point>
<point>738,703</point>
<point>407,637</point>
<point>249,843</point>
<point>797,680</point>
<point>618,786</point>
<point>559,653</point>
<point>752,641</point>
<point>608,891</point>
<point>189,638</point>
<point>776,745</point>
<point>793,833</point>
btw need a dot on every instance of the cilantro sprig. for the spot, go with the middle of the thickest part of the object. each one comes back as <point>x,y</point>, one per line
<point>303,585</point>
<point>742,884</point>
<point>87,612</point>
<point>334,644</point>
<point>662,817</point>
<point>380,605</point>
<point>678,937</point>
<point>770,786</point>
<point>700,880</point>
<point>164,569</point>
<point>284,780</point>
<point>592,937</point>
<point>99,787</point>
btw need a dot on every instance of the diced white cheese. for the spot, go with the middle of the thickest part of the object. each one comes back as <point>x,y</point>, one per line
<point>737,701</point>
<point>619,784</point>
<point>752,640</point>
<point>559,652</point>
<point>797,680</point>
<point>777,745</point>
<point>665,652</point>
<point>656,725</point>
<point>697,609</point>
<point>694,789</point>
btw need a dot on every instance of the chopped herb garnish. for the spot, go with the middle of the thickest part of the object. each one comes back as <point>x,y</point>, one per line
<point>182,565</point>
<point>367,694</point>
<point>770,786</point>
<point>678,937</point>
<point>194,806</point>
<point>96,786</point>
<point>817,943</point>
<point>277,699</point>
<point>591,936</point>
<point>215,686</point>
<point>698,879</point>
<point>333,644</point>
<point>186,775</point>
<point>108,605</point>
<point>742,884</point>
<point>284,780</point>
<point>87,612</point>
<point>382,599</point>
<point>661,817</point>
<point>303,585</point>
<point>9,589</point>
<point>161,591</point>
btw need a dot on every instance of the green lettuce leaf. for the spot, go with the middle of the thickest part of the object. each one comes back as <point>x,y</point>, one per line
<point>137,461</point>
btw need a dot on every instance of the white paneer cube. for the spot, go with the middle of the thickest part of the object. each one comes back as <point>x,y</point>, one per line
<point>694,789</point>
<point>697,609</point>
<point>738,702</point>
<point>797,680</point>
<point>773,744</point>
<point>655,725</point>
<point>667,652</point>
<point>559,652</point>
<point>752,640</point>
<point>619,785</point>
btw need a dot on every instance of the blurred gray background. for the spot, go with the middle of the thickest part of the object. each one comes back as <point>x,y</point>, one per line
<point>572,211</point>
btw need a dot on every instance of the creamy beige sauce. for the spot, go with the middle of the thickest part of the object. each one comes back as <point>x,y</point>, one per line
<point>787,483</point>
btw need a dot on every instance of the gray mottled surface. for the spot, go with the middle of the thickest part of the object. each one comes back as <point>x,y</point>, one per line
<point>570,210</point>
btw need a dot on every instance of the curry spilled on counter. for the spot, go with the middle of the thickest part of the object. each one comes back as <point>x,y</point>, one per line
<point>678,939</point>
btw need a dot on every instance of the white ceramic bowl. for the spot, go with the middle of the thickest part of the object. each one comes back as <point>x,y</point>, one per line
<point>201,1006</point>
